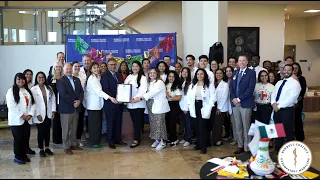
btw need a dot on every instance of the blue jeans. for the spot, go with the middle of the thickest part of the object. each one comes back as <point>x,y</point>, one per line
<point>188,131</point>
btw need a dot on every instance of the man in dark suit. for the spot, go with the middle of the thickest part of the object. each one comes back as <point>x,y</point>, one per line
<point>61,58</point>
<point>241,92</point>
<point>109,82</point>
<point>70,98</point>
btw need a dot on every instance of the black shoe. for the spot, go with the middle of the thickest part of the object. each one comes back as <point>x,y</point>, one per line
<point>133,145</point>
<point>42,153</point>
<point>112,146</point>
<point>26,159</point>
<point>18,161</point>
<point>49,152</point>
<point>209,145</point>
<point>196,148</point>
<point>239,151</point>
<point>203,151</point>
<point>30,151</point>
<point>142,131</point>
<point>121,143</point>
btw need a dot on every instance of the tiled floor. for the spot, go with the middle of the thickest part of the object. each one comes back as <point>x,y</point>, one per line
<point>141,162</point>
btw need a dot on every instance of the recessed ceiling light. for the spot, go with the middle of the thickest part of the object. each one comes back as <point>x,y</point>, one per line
<point>312,11</point>
<point>285,9</point>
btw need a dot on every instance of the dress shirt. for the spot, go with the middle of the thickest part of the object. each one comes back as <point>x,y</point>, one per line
<point>193,72</point>
<point>71,81</point>
<point>289,93</point>
<point>163,77</point>
<point>257,69</point>
<point>114,75</point>
<point>172,68</point>
<point>242,71</point>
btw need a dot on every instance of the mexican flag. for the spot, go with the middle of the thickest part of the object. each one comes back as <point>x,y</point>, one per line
<point>272,131</point>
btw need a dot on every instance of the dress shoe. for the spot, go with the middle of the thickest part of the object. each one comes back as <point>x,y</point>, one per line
<point>49,152</point>
<point>75,148</point>
<point>30,151</point>
<point>112,146</point>
<point>239,151</point>
<point>196,148</point>
<point>142,131</point>
<point>26,159</point>
<point>42,153</point>
<point>68,151</point>
<point>203,151</point>
<point>135,144</point>
<point>121,143</point>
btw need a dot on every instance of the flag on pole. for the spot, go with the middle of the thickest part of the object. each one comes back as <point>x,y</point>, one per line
<point>272,131</point>
<point>167,43</point>
<point>254,144</point>
<point>81,46</point>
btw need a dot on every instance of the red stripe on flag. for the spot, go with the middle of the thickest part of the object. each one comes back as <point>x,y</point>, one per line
<point>167,43</point>
<point>280,130</point>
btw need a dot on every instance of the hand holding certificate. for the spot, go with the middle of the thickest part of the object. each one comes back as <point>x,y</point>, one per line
<point>124,93</point>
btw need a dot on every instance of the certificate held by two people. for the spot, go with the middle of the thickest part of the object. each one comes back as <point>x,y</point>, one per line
<point>124,93</point>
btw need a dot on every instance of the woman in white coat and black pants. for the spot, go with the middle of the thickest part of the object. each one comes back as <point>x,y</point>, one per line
<point>21,108</point>
<point>93,102</point>
<point>45,111</point>
<point>201,98</point>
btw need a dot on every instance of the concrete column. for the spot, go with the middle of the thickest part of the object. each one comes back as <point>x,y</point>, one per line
<point>203,24</point>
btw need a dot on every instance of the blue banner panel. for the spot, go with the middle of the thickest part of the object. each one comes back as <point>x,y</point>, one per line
<point>127,47</point>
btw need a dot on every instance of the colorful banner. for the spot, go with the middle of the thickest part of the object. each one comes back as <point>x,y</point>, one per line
<point>128,47</point>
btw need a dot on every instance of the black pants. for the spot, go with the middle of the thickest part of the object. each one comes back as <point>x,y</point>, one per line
<point>80,123</point>
<point>137,116</point>
<point>217,127</point>
<point>211,120</point>
<point>298,125</point>
<point>227,125</point>
<point>254,116</point>
<point>201,127</point>
<point>263,113</point>
<point>20,136</point>
<point>95,123</point>
<point>44,133</point>
<point>285,116</point>
<point>171,120</point>
<point>56,129</point>
<point>27,146</point>
<point>113,114</point>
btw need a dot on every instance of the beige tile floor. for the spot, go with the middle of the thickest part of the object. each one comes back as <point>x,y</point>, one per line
<point>142,162</point>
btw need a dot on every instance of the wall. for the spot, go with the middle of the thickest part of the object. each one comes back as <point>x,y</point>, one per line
<point>312,28</point>
<point>270,19</point>
<point>162,17</point>
<point>17,58</point>
<point>295,34</point>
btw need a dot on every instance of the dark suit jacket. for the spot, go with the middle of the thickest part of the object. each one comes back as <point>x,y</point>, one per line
<point>67,95</point>
<point>50,71</point>
<point>110,85</point>
<point>246,88</point>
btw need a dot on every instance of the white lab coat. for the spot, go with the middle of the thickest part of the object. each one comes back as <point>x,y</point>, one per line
<point>183,101</point>
<point>93,96</point>
<point>15,111</point>
<point>137,92</point>
<point>223,97</point>
<point>40,106</point>
<point>157,91</point>
<point>208,100</point>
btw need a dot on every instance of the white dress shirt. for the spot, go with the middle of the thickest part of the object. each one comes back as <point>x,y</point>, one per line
<point>211,76</point>
<point>137,92</point>
<point>174,93</point>
<point>172,68</point>
<point>289,94</point>
<point>163,77</point>
<point>93,96</point>
<point>257,70</point>
<point>193,72</point>
<point>82,76</point>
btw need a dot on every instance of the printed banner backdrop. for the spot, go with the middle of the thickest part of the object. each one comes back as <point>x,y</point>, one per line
<point>128,47</point>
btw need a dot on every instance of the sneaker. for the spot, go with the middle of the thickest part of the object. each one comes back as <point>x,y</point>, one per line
<point>48,151</point>
<point>42,153</point>
<point>233,143</point>
<point>155,144</point>
<point>161,146</point>
<point>173,144</point>
<point>18,161</point>
<point>186,144</point>
<point>182,141</point>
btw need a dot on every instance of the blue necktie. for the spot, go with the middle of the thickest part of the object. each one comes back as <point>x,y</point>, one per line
<point>115,77</point>
<point>280,89</point>
<point>238,83</point>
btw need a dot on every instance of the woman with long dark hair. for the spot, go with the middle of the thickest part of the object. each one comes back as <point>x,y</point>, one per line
<point>272,78</point>
<point>299,133</point>
<point>173,92</point>
<point>186,81</point>
<point>163,68</point>
<point>201,98</point>
<point>262,93</point>
<point>21,109</point>
<point>123,70</point>
<point>46,109</point>
<point>137,106</point>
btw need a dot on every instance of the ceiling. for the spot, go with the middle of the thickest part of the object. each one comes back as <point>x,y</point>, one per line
<point>293,8</point>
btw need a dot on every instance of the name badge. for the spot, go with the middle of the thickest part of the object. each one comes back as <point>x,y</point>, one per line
<point>234,77</point>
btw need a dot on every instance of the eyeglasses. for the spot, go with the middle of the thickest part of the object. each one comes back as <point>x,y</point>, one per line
<point>112,64</point>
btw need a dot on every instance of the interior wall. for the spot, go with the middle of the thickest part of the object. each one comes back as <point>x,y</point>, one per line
<point>17,58</point>
<point>270,19</point>
<point>295,34</point>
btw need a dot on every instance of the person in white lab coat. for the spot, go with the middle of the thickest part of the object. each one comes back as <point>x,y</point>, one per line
<point>137,106</point>
<point>223,107</point>
<point>158,106</point>
<point>93,102</point>
<point>201,98</point>
<point>21,109</point>
<point>163,69</point>
<point>45,111</point>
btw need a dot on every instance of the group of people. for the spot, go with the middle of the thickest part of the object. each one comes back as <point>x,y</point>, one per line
<point>203,98</point>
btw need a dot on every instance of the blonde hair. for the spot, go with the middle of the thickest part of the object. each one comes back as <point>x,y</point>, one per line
<point>54,73</point>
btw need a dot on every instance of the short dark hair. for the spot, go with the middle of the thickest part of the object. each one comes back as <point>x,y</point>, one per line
<point>165,64</point>
<point>167,56</point>
<point>244,56</point>
<point>178,63</point>
<point>111,59</point>
<point>191,56</point>
<point>289,66</point>
<point>145,59</point>
<point>265,62</point>
<point>60,53</point>
<point>232,58</point>
<point>288,58</point>
<point>259,78</point>
<point>75,62</point>
<point>255,55</point>
<point>204,56</point>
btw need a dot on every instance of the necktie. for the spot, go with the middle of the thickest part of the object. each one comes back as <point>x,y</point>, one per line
<point>254,68</point>
<point>280,89</point>
<point>238,83</point>
<point>115,77</point>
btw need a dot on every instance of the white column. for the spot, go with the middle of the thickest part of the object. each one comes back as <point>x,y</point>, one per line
<point>203,24</point>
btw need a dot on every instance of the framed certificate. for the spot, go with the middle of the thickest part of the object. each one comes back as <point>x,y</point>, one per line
<point>124,93</point>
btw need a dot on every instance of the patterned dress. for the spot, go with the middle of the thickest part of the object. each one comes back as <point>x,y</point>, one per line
<point>157,123</point>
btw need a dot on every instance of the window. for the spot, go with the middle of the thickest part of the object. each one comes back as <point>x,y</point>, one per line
<point>13,35</point>
<point>22,35</point>
<point>6,34</point>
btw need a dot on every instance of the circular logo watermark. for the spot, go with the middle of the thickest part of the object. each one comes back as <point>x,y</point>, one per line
<point>294,157</point>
